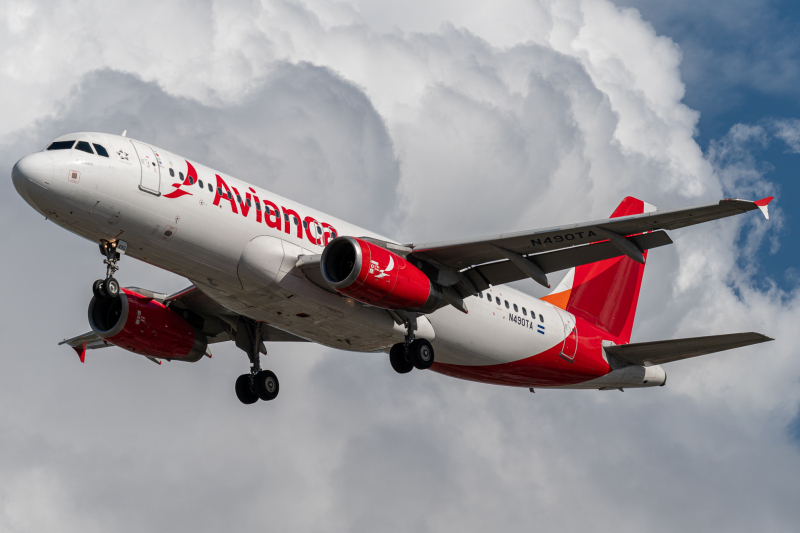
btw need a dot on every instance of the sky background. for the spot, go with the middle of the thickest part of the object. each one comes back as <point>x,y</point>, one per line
<point>423,121</point>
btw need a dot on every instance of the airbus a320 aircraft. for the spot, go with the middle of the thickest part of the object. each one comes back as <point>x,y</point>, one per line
<point>264,268</point>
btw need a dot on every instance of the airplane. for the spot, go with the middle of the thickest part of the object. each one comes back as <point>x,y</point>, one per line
<point>267,269</point>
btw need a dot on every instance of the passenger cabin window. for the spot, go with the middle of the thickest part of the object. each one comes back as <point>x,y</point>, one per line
<point>100,150</point>
<point>541,319</point>
<point>172,173</point>
<point>200,183</point>
<point>219,191</point>
<point>524,311</point>
<point>497,299</point>
<point>238,199</point>
<point>210,188</point>
<point>305,224</point>
<point>506,304</point>
<point>516,309</point>
<point>258,206</point>
<point>180,175</point>
<point>83,146</point>
<point>249,204</point>
<point>489,297</point>
<point>61,145</point>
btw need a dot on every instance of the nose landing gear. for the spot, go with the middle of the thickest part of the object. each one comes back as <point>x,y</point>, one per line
<point>258,384</point>
<point>413,353</point>
<point>109,287</point>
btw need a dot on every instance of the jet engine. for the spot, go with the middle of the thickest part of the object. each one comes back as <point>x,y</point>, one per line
<point>145,326</point>
<point>373,275</point>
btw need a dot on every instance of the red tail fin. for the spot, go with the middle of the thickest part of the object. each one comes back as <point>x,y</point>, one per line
<point>605,293</point>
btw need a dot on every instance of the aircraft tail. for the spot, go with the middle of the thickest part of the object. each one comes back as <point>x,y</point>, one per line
<point>605,293</point>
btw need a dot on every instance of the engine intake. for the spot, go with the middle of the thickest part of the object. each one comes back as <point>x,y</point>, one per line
<point>145,326</point>
<point>375,276</point>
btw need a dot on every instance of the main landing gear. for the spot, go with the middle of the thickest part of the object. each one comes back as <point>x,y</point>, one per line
<point>258,384</point>
<point>413,353</point>
<point>109,287</point>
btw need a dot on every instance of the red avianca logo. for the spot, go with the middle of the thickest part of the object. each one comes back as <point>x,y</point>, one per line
<point>318,233</point>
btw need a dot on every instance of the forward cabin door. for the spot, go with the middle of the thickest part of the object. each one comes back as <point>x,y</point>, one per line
<point>151,175</point>
<point>570,345</point>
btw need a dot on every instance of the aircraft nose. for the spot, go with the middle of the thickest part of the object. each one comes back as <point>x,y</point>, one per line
<point>32,175</point>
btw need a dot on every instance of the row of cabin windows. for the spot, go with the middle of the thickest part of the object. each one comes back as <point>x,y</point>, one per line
<point>267,209</point>
<point>508,306</point>
<point>83,146</point>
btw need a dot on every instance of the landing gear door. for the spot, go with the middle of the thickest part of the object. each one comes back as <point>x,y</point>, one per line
<point>570,345</point>
<point>151,174</point>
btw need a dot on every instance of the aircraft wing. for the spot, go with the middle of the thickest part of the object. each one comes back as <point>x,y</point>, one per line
<point>503,256</point>
<point>219,322</point>
<point>659,352</point>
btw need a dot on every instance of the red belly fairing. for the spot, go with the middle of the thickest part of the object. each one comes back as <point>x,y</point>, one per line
<point>545,369</point>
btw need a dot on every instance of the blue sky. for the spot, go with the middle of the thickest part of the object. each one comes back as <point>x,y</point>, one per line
<point>741,64</point>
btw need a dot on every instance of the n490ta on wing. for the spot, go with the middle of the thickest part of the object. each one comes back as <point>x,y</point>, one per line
<point>265,268</point>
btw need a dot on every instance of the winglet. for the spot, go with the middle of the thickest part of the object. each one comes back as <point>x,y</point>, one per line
<point>81,351</point>
<point>762,205</point>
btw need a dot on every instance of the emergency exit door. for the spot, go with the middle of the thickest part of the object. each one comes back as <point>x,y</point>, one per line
<point>151,174</point>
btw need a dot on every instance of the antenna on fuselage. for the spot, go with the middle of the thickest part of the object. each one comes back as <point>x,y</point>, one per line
<point>125,133</point>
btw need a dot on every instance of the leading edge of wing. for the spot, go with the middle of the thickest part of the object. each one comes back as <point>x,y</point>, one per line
<point>463,253</point>
<point>659,352</point>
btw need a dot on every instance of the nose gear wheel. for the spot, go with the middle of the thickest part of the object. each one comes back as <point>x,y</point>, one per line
<point>109,287</point>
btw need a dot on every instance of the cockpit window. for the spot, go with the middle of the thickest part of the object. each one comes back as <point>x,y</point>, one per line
<point>83,146</point>
<point>61,145</point>
<point>100,150</point>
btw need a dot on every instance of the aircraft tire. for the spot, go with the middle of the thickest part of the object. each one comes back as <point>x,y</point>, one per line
<point>111,286</point>
<point>244,390</point>
<point>397,358</point>
<point>98,289</point>
<point>266,385</point>
<point>421,353</point>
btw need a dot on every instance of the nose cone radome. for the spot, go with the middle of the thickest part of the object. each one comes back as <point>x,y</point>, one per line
<point>32,176</point>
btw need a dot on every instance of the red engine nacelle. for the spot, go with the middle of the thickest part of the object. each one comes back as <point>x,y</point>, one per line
<point>374,275</point>
<point>145,326</point>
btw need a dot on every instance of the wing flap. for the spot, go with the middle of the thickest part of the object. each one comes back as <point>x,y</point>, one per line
<point>659,352</point>
<point>503,272</point>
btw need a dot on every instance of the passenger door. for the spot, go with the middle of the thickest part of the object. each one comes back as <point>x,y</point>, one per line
<point>570,345</point>
<point>151,174</point>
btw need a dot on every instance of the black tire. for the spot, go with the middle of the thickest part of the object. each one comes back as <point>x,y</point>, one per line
<point>397,357</point>
<point>112,288</point>
<point>244,390</point>
<point>421,353</point>
<point>266,385</point>
<point>98,290</point>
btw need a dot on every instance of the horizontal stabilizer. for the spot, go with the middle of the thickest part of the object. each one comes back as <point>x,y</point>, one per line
<point>659,352</point>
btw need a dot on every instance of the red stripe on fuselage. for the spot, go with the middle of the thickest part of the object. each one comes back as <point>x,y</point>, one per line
<point>546,369</point>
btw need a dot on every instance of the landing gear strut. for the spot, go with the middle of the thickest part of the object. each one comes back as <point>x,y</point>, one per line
<point>109,287</point>
<point>413,353</point>
<point>258,384</point>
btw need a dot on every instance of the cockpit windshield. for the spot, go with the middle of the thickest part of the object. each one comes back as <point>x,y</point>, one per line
<point>81,145</point>
<point>61,145</point>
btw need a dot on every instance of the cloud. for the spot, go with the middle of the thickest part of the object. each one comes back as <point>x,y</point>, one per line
<point>424,131</point>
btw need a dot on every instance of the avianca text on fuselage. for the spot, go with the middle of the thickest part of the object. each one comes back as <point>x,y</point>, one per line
<point>251,202</point>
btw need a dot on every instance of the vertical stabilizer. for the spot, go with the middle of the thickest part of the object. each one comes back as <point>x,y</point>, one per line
<point>605,293</point>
